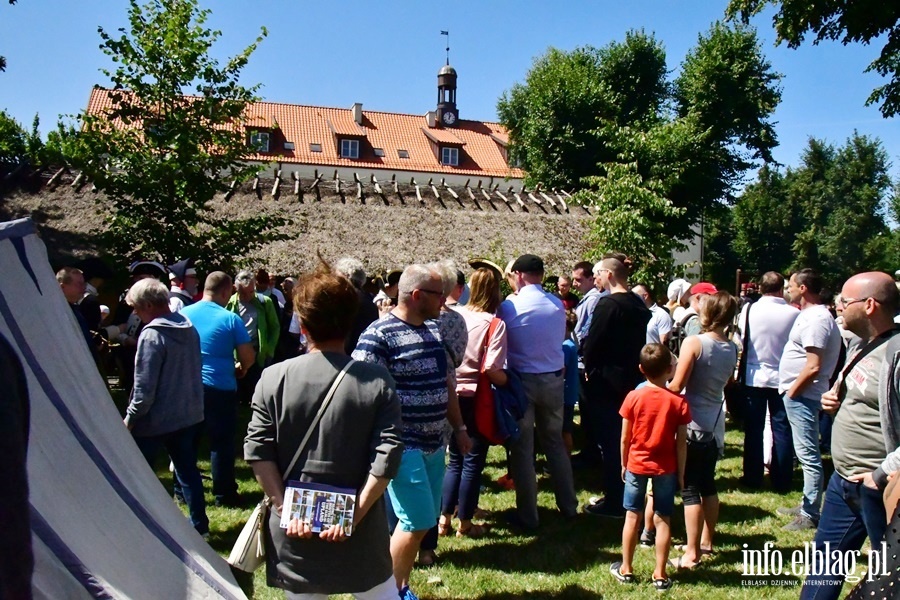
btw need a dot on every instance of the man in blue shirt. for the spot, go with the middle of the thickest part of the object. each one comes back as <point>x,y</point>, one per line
<point>536,327</point>
<point>222,334</point>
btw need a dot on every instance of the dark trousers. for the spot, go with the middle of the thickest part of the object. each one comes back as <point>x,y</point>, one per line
<point>850,512</point>
<point>182,448</point>
<point>606,428</point>
<point>462,481</point>
<point>220,412</point>
<point>247,383</point>
<point>589,425</point>
<point>782,466</point>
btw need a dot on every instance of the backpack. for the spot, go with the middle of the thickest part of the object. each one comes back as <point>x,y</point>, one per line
<point>678,334</point>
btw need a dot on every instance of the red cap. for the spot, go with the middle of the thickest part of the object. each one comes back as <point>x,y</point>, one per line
<point>703,288</point>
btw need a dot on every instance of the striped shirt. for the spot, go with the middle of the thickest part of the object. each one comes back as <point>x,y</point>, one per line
<point>417,361</point>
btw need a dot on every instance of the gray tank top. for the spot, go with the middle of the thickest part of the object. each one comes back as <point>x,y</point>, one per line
<point>704,389</point>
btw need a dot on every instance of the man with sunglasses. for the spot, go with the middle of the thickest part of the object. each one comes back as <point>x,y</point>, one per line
<point>865,403</point>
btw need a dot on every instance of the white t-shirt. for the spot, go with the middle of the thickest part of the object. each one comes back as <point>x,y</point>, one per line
<point>659,325</point>
<point>813,328</point>
<point>771,321</point>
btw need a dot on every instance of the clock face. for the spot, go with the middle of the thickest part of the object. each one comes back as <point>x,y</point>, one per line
<point>449,118</point>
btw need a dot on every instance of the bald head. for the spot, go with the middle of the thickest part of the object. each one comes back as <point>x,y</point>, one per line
<point>870,302</point>
<point>874,284</point>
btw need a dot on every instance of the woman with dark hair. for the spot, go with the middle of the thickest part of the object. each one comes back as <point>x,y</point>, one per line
<point>357,445</point>
<point>462,481</point>
<point>705,364</point>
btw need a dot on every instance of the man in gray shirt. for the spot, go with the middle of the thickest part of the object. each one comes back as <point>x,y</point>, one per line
<point>853,507</point>
<point>807,363</point>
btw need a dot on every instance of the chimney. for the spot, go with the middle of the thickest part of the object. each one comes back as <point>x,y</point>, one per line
<point>356,109</point>
<point>431,119</point>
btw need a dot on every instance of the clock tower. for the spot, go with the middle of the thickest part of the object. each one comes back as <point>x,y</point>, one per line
<point>447,114</point>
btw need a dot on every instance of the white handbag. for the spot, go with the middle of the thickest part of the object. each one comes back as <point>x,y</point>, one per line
<point>249,551</point>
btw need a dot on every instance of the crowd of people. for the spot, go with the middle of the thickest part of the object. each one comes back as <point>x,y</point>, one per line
<point>387,385</point>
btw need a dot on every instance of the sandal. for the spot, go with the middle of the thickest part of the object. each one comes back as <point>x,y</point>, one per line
<point>444,527</point>
<point>473,531</point>
<point>678,564</point>
<point>703,551</point>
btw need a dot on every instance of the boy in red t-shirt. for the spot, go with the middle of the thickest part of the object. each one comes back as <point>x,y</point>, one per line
<point>654,446</point>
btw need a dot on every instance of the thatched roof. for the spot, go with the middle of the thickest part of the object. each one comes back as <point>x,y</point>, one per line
<point>386,227</point>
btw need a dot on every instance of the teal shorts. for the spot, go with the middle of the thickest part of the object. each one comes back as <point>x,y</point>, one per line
<point>416,490</point>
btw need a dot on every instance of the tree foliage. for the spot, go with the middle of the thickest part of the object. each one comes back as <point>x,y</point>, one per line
<point>850,21</point>
<point>590,117</point>
<point>172,139</point>
<point>830,213</point>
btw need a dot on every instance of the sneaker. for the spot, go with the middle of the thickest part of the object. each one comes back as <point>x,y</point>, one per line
<point>662,585</point>
<point>616,570</point>
<point>800,523</point>
<point>407,594</point>
<point>602,509</point>
<point>648,538</point>
<point>792,511</point>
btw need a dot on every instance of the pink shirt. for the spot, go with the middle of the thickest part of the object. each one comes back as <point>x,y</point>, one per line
<point>477,324</point>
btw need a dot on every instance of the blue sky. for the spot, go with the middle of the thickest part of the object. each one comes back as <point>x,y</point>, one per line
<point>387,54</point>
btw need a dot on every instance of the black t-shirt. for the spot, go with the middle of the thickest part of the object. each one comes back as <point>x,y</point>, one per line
<point>612,347</point>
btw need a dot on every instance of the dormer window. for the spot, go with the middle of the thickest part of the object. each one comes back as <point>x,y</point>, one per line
<point>450,156</point>
<point>349,148</point>
<point>259,141</point>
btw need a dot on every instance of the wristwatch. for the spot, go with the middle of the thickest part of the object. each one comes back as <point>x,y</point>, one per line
<point>460,428</point>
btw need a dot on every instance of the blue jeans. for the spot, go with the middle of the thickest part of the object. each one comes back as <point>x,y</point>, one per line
<point>803,414</point>
<point>782,466</point>
<point>850,513</point>
<point>462,481</point>
<point>182,449</point>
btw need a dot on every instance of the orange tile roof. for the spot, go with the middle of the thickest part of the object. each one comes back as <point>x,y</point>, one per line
<point>442,136</point>
<point>481,152</point>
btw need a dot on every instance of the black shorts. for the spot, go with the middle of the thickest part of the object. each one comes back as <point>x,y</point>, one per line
<point>700,471</point>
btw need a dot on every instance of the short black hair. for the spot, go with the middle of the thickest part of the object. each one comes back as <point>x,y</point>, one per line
<point>812,279</point>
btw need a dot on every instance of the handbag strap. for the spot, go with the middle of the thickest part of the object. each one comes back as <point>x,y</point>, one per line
<point>318,417</point>
<point>487,340</point>
<point>745,342</point>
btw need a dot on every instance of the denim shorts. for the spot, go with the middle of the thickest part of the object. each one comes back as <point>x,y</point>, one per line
<point>663,493</point>
<point>416,490</point>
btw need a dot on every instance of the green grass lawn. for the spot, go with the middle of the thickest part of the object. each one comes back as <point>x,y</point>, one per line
<point>568,558</point>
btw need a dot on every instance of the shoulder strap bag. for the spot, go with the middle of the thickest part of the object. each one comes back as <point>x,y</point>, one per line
<point>249,551</point>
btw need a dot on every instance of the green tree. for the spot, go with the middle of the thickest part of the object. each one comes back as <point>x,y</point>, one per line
<point>632,218</point>
<point>583,118</point>
<point>160,155</point>
<point>765,224</point>
<point>851,21</point>
<point>726,92</point>
<point>553,118</point>
<point>829,213</point>
<point>13,142</point>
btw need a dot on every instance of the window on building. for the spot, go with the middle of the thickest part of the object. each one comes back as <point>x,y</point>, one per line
<point>379,151</point>
<point>289,145</point>
<point>450,156</point>
<point>315,147</point>
<point>259,141</point>
<point>349,148</point>
<point>403,153</point>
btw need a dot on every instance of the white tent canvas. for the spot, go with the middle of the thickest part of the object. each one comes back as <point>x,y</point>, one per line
<point>102,524</point>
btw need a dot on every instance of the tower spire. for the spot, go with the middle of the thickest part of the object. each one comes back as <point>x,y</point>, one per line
<point>447,34</point>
